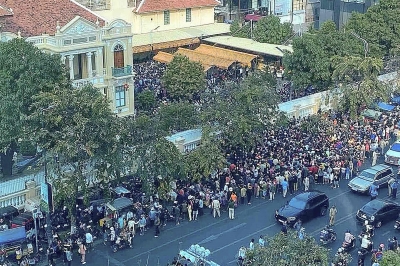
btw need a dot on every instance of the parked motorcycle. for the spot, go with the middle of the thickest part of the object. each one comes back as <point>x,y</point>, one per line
<point>121,244</point>
<point>397,224</point>
<point>327,236</point>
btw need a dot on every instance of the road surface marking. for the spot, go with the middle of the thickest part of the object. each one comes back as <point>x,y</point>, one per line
<point>386,233</point>
<point>213,237</point>
<point>193,232</point>
<point>110,259</point>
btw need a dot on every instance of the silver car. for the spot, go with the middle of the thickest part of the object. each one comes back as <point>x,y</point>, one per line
<point>379,175</point>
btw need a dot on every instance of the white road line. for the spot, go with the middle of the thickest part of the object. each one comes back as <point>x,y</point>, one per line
<point>193,232</point>
<point>386,233</point>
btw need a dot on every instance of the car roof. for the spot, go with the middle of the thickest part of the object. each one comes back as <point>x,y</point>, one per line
<point>379,203</point>
<point>308,195</point>
<point>377,168</point>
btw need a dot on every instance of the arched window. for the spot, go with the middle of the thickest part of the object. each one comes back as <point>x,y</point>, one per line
<point>118,56</point>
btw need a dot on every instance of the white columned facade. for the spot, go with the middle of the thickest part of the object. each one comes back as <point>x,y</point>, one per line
<point>71,67</point>
<point>89,64</point>
<point>99,61</point>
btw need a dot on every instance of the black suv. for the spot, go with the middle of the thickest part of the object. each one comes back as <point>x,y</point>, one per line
<point>378,211</point>
<point>304,206</point>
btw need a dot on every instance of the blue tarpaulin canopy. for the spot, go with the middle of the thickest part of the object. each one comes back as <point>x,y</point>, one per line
<point>396,99</point>
<point>385,106</point>
<point>12,235</point>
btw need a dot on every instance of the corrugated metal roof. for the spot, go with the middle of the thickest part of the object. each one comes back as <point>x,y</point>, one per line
<point>188,136</point>
<point>250,45</point>
<point>155,37</point>
<point>16,185</point>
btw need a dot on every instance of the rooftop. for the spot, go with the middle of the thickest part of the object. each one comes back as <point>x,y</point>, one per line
<point>37,17</point>
<point>188,136</point>
<point>250,45</point>
<point>149,6</point>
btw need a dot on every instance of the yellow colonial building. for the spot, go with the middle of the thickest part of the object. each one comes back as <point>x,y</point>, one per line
<point>94,49</point>
<point>162,24</point>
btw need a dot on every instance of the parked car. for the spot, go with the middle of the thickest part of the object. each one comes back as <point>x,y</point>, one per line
<point>304,206</point>
<point>6,215</point>
<point>379,175</point>
<point>24,219</point>
<point>378,211</point>
<point>392,156</point>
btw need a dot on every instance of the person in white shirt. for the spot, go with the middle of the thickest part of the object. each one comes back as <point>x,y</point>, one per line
<point>251,246</point>
<point>89,240</point>
<point>261,241</point>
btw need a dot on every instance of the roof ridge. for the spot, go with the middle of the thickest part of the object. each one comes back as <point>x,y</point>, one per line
<point>87,9</point>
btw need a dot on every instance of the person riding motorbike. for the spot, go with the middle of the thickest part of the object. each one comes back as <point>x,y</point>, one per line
<point>366,243</point>
<point>368,229</point>
<point>348,239</point>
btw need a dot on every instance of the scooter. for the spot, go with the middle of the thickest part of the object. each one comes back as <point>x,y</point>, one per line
<point>327,236</point>
<point>347,247</point>
<point>397,224</point>
<point>122,245</point>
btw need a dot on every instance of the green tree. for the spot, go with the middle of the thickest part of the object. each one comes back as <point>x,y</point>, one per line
<point>242,112</point>
<point>208,157</point>
<point>283,250</point>
<point>159,164</point>
<point>311,60</point>
<point>358,78</point>
<point>183,78</point>
<point>25,71</point>
<point>390,258</point>
<point>239,30</point>
<point>379,26</point>
<point>77,126</point>
<point>145,101</point>
<point>177,116</point>
<point>270,30</point>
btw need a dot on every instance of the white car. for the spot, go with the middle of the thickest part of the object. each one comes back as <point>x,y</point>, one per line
<point>392,156</point>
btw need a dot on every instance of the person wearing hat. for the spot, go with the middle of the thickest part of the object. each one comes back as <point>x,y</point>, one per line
<point>332,215</point>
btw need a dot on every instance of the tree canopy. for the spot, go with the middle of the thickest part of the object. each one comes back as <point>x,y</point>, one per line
<point>361,86</point>
<point>183,78</point>
<point>379,26</point>
<point>270,30</point>
<point>282,250</point>
<point>77,126</point>
<point>25,71</point>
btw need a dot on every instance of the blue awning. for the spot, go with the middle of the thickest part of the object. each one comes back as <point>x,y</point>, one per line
<point>385,106</point>
<point>396,99</point>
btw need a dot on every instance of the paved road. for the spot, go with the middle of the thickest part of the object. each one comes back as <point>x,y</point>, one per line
<point>223,237</point>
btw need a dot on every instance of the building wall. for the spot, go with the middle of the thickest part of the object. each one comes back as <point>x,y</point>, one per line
<point>145,23</point>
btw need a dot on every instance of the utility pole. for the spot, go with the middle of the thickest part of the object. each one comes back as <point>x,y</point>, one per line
<point>239,11</point>
<point>292,11</point>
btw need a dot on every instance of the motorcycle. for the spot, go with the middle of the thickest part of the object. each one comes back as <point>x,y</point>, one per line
<point>397,224</point>
<point>327,236</point>
<point>121,245</point>
<point>347,247</point>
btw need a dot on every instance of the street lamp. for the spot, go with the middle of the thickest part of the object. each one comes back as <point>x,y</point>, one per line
<point>366,48</point>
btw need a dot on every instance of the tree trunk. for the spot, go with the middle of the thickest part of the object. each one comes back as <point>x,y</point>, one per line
<point>7,162</point>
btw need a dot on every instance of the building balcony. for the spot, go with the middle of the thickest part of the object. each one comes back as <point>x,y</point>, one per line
<point>122,71</point>
<point>97,80</point>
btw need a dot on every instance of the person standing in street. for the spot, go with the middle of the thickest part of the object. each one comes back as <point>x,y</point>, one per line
<point>332,215</point>
<point>215,206</point>
<point>374,157</point>
<point>285,186</point>
<point>82,251</point>
<point>89,240</point>
<point>272,190</point>
<point>390,182</point>
<point>68,254</point>
<point>306,183</point>
<point>243,192</point>
<point>394,187</point>
<point>231,209</point>
<point>157,223</point>
<point>251,245</point>
<point>249,192</point>
<point>373,191</point>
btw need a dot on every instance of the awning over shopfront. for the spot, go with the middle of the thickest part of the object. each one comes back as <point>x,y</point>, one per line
<point>250,45</point>
<point>253,17</point>
<point>166,58</point>
<point>158,40</point>
<point>385,107</point>
<point>119,204</point>
<point>206,59</point>
<point>244,58</point>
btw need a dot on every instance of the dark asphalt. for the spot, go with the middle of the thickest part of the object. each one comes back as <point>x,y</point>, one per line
<point>223,237</point>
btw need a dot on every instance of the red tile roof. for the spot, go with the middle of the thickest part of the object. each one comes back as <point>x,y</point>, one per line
<point>148,6</point>
<point>4,11</point>
<point>35,17</point>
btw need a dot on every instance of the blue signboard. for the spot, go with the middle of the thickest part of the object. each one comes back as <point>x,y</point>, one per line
<point>46,197</point>
<point>283,7</point>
